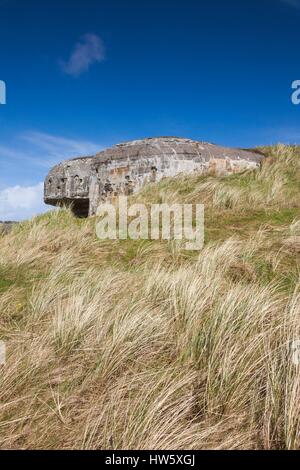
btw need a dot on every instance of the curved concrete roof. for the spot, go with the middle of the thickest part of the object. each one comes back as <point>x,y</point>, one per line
<point>125,167</point>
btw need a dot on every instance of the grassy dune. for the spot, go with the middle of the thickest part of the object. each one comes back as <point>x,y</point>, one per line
<point>142,345</point>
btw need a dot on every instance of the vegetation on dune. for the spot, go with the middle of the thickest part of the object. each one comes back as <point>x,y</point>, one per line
<point>142,345</point>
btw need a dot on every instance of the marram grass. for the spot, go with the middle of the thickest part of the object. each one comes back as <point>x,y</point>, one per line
<point>140,345</point>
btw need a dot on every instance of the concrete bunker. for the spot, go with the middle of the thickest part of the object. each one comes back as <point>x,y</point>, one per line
<point>84,182</point>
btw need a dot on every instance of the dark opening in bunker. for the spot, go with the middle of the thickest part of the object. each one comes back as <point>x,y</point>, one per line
<point>80,207</point>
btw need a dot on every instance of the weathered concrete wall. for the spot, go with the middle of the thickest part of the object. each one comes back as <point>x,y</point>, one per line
<point>126,167</point>
<point>69,182</point>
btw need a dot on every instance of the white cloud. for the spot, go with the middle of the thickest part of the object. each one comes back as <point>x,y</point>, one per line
<point>89,50</point>
<point>21,202</point>
<point>30,158</point>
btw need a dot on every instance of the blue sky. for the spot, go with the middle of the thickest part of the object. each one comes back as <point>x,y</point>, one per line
<point>84,75</point>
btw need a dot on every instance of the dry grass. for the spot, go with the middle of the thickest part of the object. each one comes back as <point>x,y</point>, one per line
<point>139,345</point>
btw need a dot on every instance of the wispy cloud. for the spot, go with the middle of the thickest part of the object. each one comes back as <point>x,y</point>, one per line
<point>30,157</point>
<point>89,50</point>
<point>60,147</point>
<point>21,202</point>
<point>44,150</point>
<point>24,155</point>
<point>292,3</point>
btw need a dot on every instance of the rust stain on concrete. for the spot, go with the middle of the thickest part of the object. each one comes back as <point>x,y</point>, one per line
<point>123,169</point>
